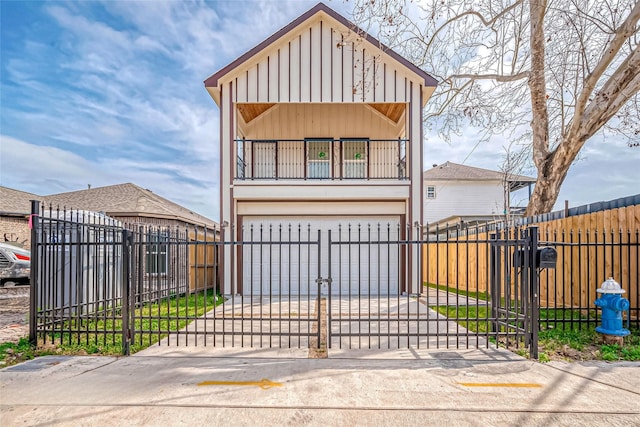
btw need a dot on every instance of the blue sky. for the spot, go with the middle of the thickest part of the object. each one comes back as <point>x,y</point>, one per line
<point>109,92</point>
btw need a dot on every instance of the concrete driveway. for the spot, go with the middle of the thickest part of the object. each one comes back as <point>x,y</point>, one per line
<point>397,326</point>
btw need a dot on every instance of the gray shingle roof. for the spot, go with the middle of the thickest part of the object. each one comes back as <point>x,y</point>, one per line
<point>449,171</point>
<point>16,201</point>
<point>114,200</point>
<point>123,199</point>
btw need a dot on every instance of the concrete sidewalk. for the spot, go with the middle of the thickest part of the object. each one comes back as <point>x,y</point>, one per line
<point>198,386</point>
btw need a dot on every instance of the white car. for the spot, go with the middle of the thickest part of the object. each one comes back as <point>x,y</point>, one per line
<point>15,265</point>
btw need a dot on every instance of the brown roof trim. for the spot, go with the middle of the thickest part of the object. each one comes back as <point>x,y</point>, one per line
<point>212,81</point>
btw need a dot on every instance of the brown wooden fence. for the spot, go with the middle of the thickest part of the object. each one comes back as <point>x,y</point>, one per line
<point>204,271</point>
<point>590,247</point>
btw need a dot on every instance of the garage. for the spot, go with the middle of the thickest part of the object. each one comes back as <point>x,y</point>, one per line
<point>282,256</point>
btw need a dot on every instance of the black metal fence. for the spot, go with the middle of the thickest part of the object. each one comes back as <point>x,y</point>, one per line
<point>100,283</point>
<point>586,258</point>
<point>112,287</point>
<point>456,257</point>
<point>321,158</point>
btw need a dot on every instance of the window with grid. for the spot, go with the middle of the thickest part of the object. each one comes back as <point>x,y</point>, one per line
<point>431,192</point>
<point>156,254</point>
<point>354,158</point>
<point>318,158</point>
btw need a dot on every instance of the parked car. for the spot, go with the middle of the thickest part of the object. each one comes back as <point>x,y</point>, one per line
<point>15,265</point>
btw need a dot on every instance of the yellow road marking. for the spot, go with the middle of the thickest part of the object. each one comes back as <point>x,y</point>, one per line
<point>263,383</point>
<point>526,385</point>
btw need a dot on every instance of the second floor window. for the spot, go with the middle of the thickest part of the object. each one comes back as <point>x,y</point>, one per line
<point>318,158</point>
<point>431,192</point>
<point>354,158</point>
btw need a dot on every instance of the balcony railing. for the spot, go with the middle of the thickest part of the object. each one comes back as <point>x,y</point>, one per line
<point>321,159</point>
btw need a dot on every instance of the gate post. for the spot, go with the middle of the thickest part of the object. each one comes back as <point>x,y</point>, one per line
<point>494,273</point>
<point>33,279</point>
<point>534,289</point>
<point>319,281</point>
<point>126,309</point>
<point>329,283</point>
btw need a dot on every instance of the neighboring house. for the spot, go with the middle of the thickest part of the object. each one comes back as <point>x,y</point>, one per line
<point>15,207</point>
<point>135,206</point>
<point>320,126</point>
<point>132,205</point>
<point>455,194</point>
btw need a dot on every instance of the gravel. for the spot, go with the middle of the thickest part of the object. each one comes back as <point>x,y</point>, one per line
<point>14,313</point>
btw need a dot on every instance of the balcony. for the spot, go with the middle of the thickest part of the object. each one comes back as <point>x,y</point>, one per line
<point>321,159</point>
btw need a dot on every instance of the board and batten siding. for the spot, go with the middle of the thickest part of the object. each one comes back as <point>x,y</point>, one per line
<point>321,62</point>
<point>455,198</point>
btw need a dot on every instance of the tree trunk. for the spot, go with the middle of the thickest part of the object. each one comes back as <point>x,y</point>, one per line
<point>551,175</point>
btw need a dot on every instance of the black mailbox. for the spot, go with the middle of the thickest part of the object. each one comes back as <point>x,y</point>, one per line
<point>546,257</point>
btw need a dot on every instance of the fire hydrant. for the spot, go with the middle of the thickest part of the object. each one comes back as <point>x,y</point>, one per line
<point>612,304</point>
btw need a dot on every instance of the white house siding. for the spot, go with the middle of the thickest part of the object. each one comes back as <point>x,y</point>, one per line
<point>376,192</point>
<point>321,62</point>
<point>454,198</point>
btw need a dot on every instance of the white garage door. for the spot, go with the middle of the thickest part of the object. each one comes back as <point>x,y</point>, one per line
<point>280,255</point>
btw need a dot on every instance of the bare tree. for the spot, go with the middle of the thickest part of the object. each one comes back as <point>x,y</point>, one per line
<point>514,162</point>
<point>548,73</point>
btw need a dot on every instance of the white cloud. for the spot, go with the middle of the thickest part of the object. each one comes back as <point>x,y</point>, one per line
<point>46,170</point>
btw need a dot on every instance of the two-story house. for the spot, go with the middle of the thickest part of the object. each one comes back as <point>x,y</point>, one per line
<point>320,129</point>
<point>456,194</point>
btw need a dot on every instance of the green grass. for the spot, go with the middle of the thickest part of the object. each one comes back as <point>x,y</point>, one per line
<point>577,339</point>
<point>153,322</point>
<point>12,353</point>
<point>472,294</point>
<point>474,314</point>
<point>556,340</point>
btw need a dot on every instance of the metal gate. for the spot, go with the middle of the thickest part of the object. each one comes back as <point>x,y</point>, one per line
<point>515,288</point>
<point>108,285</point>
<point>263,311</point>
<point>444,315</point>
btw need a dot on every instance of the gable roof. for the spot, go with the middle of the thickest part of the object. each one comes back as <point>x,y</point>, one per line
<point>127,200</point>
<point>450,171</point>
<point>212,81</point>
<point>16,202</point>
<point>114,200</point>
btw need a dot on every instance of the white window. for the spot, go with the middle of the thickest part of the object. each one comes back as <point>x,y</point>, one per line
<point>156,253</point>
<point>318,158</point>
<point>354,158</point>
<point>431,192</point>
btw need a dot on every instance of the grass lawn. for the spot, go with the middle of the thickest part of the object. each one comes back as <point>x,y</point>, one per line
<point>556,341</point>
<point>153,322</point>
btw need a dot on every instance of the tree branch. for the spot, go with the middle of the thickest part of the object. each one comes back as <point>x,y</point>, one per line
<point>496,77</point>
<point>622,34</point>
<point>487,23</point>
<point>619,88</point>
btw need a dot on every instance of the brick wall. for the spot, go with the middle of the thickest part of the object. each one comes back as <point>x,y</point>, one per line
<point>15,230</point>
